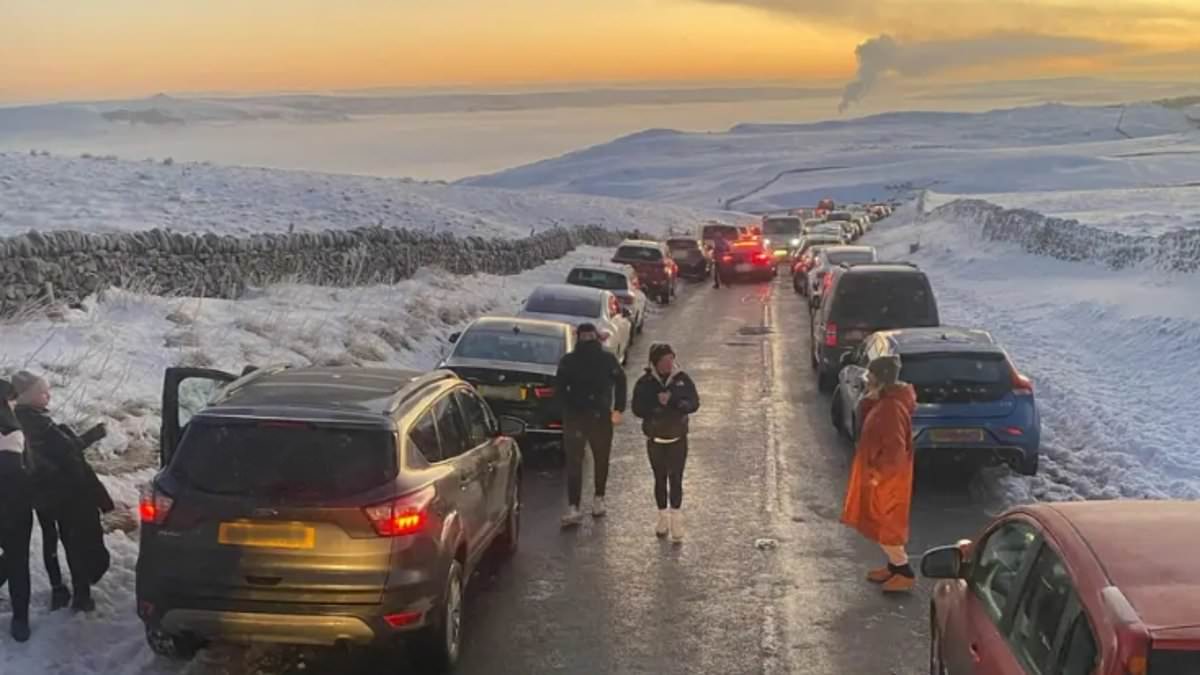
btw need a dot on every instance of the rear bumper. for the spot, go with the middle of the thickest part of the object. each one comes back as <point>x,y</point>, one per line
<point>998,446</point>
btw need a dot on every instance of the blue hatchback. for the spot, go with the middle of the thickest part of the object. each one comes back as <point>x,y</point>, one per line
<point>972,403</point>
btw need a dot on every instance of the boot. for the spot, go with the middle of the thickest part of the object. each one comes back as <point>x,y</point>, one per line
<point>572,518</point>
<point>599,510</point>
<point>903,579</point>
<point>20,629</point>
<point>676,526</point>
<point>83,601</point>
<point>880,575</point>
<point>60,597</point>
<point>663,526</point>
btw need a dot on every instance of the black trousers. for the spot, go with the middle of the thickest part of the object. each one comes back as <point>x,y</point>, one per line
<point>50,530</point>
<point>717,276</point>
<point>83,537</point>
<point>581,430</point>
<point>668,460</point>
<point>16,526</point>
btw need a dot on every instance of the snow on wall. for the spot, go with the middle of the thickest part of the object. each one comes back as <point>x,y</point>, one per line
<point>68,266</point>
<point>1067,239</point>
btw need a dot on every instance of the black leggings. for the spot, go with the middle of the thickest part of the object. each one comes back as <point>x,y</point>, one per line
<point>50,536</point>
<point>668,460</point>
<point>579,432</point>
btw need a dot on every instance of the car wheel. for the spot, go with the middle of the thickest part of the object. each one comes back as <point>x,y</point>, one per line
<point>440,643</point>
<point>665,298</point>
<point>936,667</point>
<point>1029,465</point>
<point>835,411</point>
<point>825,381</point>
<point>177,647</point>
<point>509,540</point>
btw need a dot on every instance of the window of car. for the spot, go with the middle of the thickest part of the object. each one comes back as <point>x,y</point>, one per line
<point>451,435</point>
<point>1043,602</point>
<point>888,299</point>
<point>548,303</point>
<point>602,279</point>
<point>683,245</point>
<point>997,567</point>
<point>1077,656</point>
<point>510,345</point>
<point>850,257</point>
<point>475,416</point>
<point>719,232</point>
<point>639,253</point>
<point>423,436</point>
<point>782,225</point>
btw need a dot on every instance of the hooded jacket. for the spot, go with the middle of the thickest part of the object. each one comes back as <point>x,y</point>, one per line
<point>879,493</point>
<point>60,473</point>
<point>590,380</point>
<point>668,421</point>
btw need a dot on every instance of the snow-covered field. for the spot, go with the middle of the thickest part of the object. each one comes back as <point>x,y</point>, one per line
<point>123,342</point>
<point>97,195</point>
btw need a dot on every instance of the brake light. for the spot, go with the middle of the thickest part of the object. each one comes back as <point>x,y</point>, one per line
<point>831,334</point>
<point>403,516</point>
<point>1022,386</point>
<point>761,258</point>
<point>726,258</point>
<point>543,392</point>
<point>153,505</point>
<point>554,425</point>
<point>402,619</point>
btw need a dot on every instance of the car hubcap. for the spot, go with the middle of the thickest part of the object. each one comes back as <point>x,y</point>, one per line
<point>453,617</point>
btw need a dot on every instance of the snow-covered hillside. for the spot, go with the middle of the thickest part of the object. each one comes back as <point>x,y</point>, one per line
<point>97,195</point>
<point>760,167</point>
<point>1111,353</point>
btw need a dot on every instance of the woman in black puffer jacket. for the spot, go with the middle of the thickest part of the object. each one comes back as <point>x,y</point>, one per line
<point>16,513</point>
<point>663,398</point>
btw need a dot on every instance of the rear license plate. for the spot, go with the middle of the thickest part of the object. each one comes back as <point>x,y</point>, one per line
<point>744,267</point>
<point>502,392</point>
<point>267,535</point>
<point>957,435</point>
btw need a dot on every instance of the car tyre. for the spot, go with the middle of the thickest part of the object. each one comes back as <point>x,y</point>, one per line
<point>1029,465</point>
<point>836,413</point>
<point>438,646</point>
<point>175,647</point>
<point>825,381</point>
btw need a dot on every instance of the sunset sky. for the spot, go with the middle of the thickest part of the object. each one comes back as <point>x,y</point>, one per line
<point>62,49</point>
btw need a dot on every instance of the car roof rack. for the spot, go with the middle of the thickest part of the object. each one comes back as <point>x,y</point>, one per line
<point>885,263</point>
<point>249,378</point>
<point>414,386</point>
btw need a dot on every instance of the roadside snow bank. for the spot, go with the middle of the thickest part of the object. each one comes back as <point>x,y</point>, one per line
<point>1111,351</point>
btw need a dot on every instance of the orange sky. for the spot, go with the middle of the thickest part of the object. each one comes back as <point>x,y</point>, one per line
<point>110,48</point>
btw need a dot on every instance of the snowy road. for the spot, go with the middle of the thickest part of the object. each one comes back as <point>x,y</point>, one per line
<point>765,468</point>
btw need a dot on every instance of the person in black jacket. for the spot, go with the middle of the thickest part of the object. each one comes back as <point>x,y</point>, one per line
<point>591,384</point>
<point>67,494</point>
<point>663,398</point>
<point>16,513</point>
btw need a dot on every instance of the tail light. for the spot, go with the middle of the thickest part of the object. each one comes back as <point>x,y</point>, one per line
<point>827,282</point>
<point>831,334</point>
<point>726,258</point>
<point>154,505</point>
<point>402,516</point>
<point>761,258</point>
<point>1022,386</point>
<point>543,392</point>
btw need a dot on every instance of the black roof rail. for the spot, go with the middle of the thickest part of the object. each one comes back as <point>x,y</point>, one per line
<point>905,263</point>
<point>414,387</point>
<point>249,376</point>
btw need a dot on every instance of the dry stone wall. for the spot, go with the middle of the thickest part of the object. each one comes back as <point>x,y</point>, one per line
<point>67,266</point>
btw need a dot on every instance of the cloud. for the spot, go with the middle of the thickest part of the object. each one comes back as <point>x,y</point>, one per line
<point>885,55</point>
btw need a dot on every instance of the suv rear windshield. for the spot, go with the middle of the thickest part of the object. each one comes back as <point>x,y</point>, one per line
<point>956,378</point>
<point>570,306</point>
<point>719,232</point>
<point>783,225</point>
<point>851,257</point>
<point>609,281</point>
<point>283,461</point>
<point>885,300</point>
<point>505,345</point>
<point>640,253</point>
<point>683,244</point>
<point>1171,662</point>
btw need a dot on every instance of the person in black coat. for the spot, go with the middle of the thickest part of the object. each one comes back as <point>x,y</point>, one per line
<point>663,398</point>
<point>591,384</point>
<point>16,513</point>
<point>67,494</point>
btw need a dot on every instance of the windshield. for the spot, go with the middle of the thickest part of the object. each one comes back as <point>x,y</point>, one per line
<point>850,257</point>
<point>283,460</point>
<point>890,300</point>
<point>644,253</point>
<point>719,232</point>
<point>508,345</point>
<point>928,369</point>
<point>570,306</point>
<point>602,279</point>
<point>789,225</point>
<point>1172,662</point>
<point>683,245</point>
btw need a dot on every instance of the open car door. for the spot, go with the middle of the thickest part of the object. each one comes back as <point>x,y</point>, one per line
<point>186,391</point>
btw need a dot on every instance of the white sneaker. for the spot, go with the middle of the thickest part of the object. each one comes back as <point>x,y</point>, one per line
<point>663,526</point>
<point>598,508</point>
<point>572,518</point>
<point>676,526</point>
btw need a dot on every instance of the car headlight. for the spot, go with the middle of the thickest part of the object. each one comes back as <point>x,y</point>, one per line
<point>795,242</point>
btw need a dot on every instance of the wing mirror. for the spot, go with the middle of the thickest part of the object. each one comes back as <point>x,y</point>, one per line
<point>945,562</point>
<point>512,427</point>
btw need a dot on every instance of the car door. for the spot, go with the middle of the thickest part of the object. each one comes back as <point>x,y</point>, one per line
<point>482,441</point>
<point>469,470</point>
<point>975,642</point>
<point>1046,614</point>
<point>186,391</point>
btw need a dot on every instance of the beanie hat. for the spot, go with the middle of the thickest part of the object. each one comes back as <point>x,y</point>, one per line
<point>659,350</point>
<point>586,327</point>
<point>886,369</point>
<point>25,381</point>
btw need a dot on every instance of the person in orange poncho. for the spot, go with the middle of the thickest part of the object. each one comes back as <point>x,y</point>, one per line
<point>879,495</point>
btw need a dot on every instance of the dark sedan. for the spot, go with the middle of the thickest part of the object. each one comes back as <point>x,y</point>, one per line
<point>693,259</point>
<point>512,362</point>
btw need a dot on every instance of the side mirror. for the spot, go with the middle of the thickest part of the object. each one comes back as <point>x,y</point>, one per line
<point>944,562</point>
<point>512,426</point>
<point>454,337</point>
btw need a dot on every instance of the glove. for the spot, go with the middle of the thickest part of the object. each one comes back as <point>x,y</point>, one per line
<point>95,433</point>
